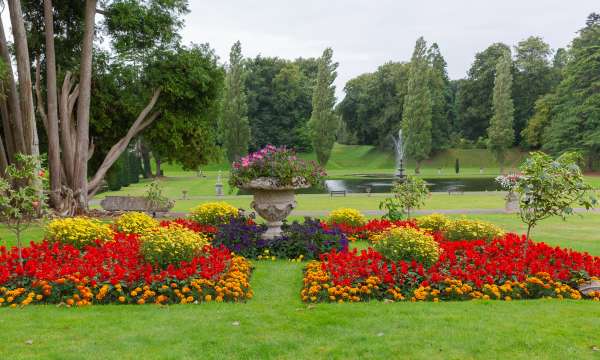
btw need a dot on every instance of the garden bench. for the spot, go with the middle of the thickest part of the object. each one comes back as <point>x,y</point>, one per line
<point>131,203</point>
<point>337,192</point>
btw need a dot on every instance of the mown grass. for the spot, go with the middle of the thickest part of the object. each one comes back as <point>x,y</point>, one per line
<point>277,325</point>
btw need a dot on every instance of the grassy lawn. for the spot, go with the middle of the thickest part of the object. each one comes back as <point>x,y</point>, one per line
<point>276,324</point>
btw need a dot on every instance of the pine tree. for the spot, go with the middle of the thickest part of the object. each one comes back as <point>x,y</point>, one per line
<point>501,133</point>
<point>416,118</point>
<point>323,123</point>
<point>234,124</point>
<point>439,87</point>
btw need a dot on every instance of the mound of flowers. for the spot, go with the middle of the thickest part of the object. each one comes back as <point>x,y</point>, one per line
<point>477,269</point>
<point>116,271</point>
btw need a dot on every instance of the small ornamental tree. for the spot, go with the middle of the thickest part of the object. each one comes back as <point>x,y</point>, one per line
<point>21,199</point>
<point>551,187</point>
<point>408,195</point>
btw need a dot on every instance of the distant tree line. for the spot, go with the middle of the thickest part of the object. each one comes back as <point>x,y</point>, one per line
<point>532,97</point>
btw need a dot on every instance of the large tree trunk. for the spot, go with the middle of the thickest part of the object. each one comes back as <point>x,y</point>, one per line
<point>143,120</point>
<point>15,119</point>
<point>80,182</point>
<point>24,73</point>
<point>3,157</point>
<point>52,115</point>
<point>158,169</point>
<point>147,168</point>
<point>7,130</point>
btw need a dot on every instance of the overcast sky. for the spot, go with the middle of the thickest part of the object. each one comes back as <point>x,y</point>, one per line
<point>366,33</point>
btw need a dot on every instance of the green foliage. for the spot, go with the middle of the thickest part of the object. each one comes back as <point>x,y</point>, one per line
<point>416,117</point>
<point>474,96</point>
<point>372,107</point>
<point>234,126</point>
<point>23,197</point>
<point>407,243</point>
<point>186,130</point>
<point>323,122</point>
<point>439,86</point>
<point>457,166</point>
<point>534,132</point>
<point>533,77</point>
<point>501,132</point>
<point>408,194</point>
<point>279,96</point>
<point>575,114</point>
<point>155,197</point>
<point>550,187</point>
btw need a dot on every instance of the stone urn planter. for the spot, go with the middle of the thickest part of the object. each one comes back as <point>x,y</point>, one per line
<point>590,287</point>
<point>274,203</point>
<point>512,202</point>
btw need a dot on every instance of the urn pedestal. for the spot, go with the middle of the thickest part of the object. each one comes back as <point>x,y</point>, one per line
<point>273,203</point>
<point>512,202</point>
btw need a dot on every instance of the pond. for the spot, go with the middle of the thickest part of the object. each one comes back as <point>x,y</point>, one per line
<point>380,184</point>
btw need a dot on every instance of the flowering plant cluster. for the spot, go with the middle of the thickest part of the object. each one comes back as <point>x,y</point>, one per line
<point>371,228</point>
<point>164,245</point>
<point>213,213</point>
<point>407,243</point>
<point>135,222</point>
<point>508,182</point>
<point>346,217</point>
<point>497,269</point>
<point>116,272</point>
<point>278,163</point>
<point>78,231</point>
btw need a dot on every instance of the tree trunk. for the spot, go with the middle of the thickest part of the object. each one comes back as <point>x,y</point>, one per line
<point>24,73</point>
<point>8,135</point>
<point>3,158</point>
<point>143,120</point>
<point>147,173</point>
<point>52,115</point>
<point>15,118</point>
<point>80,182</point>
<point>158,169</point>
<point>418,167</point>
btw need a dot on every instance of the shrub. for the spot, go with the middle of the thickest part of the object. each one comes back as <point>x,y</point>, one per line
<point>408,194</point>
<point>214,213</point>
<point>171,245</point>
<point>433,222</point>
<point>346,217</point>
<point>407,243</point>
<point>78,231</point>
<point>467,229</point>
<point>307,240</point>
<point>135,223</point>
<point>242,236</point>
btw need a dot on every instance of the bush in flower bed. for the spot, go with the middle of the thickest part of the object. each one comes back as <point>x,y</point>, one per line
<point>307,240</point>
<point>407,243</point>
<point>460,229</point>
<point>135,222</point>
<point>242,236</point>
<point>78,231</point>
<point>164,245</point>
<point>346,217</point>
<point>278,163</point>
<point>478,269</point>
<point>371,228</point>
<point>213,213</point>
<point>115,272</point>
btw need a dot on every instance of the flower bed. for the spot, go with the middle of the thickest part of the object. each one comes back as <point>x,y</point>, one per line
<point>116,272</point>
<point>478,269</point>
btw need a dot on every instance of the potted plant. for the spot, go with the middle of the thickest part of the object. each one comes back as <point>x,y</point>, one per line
<point>272,174</point>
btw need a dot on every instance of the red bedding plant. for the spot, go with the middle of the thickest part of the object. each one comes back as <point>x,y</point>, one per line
<point>371,227</point>
<point>465,270</point>
<point>192,225</point>
<point>115,272</point>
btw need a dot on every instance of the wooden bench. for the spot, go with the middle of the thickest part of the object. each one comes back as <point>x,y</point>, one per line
<point>337,192</point>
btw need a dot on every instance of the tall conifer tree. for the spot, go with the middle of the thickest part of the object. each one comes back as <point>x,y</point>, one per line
<point>501,133</point>
<point>324,121</point>
<point>416,118</point>
<point>235,128</point>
